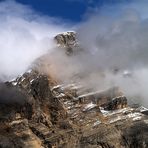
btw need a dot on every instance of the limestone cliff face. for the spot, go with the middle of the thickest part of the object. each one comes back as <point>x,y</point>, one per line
<point>36,111</point>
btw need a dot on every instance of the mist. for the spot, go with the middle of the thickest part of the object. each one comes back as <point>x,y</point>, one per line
<point>113,41</point>
<point>113,52</point>
<point>116,39</point>
<point>25,36</point>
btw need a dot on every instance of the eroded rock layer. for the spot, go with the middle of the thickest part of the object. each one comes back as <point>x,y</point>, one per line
<point>52,115</point>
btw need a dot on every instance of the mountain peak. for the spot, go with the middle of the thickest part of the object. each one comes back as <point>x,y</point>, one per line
<point>67,40</point>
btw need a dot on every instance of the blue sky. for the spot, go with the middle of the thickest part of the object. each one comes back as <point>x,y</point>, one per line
<point>73,10</point>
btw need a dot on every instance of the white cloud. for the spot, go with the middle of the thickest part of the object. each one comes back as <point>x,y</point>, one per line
<point>116,38</point>
<point>25,35</point>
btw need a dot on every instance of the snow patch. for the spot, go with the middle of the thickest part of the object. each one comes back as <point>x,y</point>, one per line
<point>31,80</point>
<point>136,118</point>
<point>142,109</point>
<point>96,123</point>
<point>134,115</point>
<point>56,87</point>
<point>60,95</point>
<point>14,83</point>
<point>89,106</point>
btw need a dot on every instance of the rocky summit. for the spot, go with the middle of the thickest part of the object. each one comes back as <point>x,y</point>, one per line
<point>38,111</point>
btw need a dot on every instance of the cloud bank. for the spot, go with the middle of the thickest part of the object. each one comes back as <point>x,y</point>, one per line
<point>116,40</point>
<point>25,36</point>
<point>114,52</point>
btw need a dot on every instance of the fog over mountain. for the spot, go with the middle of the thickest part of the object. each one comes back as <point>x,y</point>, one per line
<point>74,85</point>
<point>110,41</point>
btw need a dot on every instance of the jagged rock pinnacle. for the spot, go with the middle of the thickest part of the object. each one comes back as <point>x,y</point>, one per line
<point>67,40</point>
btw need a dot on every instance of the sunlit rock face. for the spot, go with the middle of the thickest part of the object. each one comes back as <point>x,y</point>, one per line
<point>38,111</point>
<point>68,41</point>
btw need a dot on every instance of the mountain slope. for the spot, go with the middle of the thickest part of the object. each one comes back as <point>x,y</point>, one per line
<point>38,110</point>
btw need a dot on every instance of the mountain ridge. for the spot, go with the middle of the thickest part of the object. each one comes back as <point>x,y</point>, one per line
<point>56,114</point>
